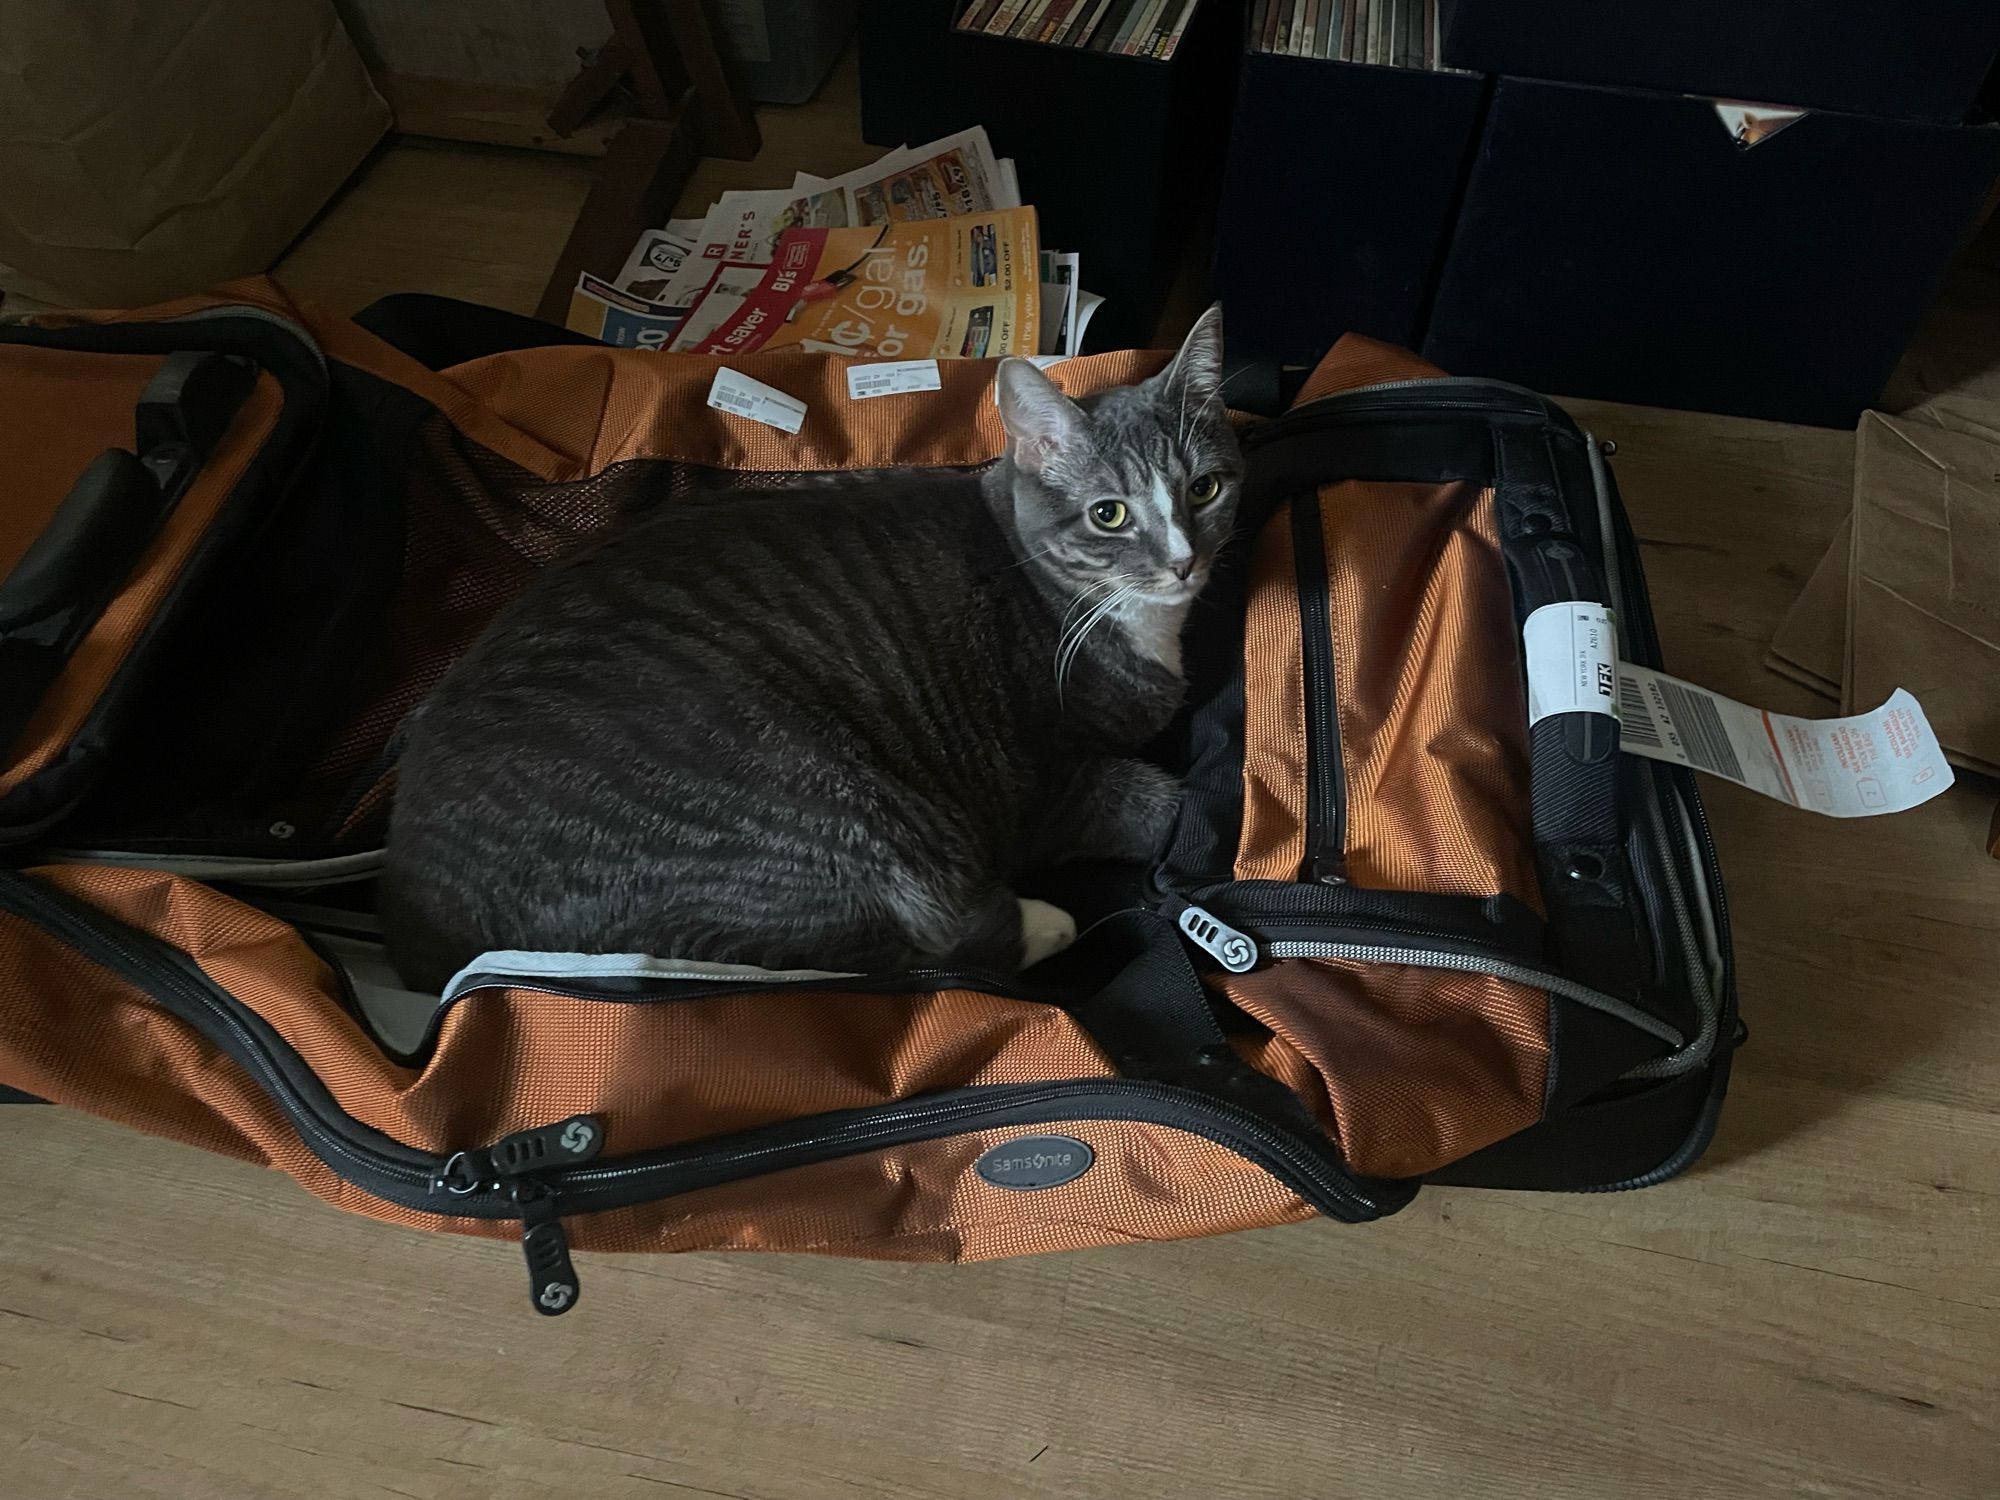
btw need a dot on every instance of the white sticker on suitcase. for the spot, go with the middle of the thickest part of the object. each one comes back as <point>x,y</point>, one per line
<point>893,378</point>
<point>1857,767</point>
<point>737,393</point>
<point>1571,650</point>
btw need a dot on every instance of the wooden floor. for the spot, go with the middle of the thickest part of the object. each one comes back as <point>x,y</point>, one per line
<point>1815,1311</point>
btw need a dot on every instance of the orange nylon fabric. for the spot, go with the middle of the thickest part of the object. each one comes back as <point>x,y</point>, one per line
<point>1433,725</point>
<point>1356,360</point>
<point>1420,1066</point>
<point>1413,1068</point>
<point>657,1074</point>
<point>1273,842</point>
<point>507,1060</point>
<point>530,452</point>
<point>1433,720</point>
<point>567,411</point>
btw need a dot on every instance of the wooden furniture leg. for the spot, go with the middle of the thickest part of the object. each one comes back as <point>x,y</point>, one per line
<point>664,51</point>
<point>728,128</point>
<point>642,175</point>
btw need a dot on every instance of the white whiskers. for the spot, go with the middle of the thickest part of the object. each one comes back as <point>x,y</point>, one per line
<point>1073,636</point>
<point>1028,559</point>
<point>1085,593</point>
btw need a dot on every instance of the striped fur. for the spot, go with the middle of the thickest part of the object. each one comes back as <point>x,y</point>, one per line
<point>826,727</point>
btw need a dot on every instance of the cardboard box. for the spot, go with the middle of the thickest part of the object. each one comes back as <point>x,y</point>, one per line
<point>151,148</point>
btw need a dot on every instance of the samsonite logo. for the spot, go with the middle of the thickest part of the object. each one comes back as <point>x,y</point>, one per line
<point>1035,1161</point>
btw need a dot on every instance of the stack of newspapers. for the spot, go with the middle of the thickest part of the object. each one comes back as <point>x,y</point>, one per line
<point>925,254</point>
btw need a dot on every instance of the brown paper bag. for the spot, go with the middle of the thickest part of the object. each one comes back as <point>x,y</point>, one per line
<point>1908,594</point>
<point>1810,647</point>
<point>1923,599</point>
<point>151,148</point>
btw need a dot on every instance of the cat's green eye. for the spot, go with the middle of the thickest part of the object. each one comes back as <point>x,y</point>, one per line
<point>1110,515</point>
<point>1204,489</point>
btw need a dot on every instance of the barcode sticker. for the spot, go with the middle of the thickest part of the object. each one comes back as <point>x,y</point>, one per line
<point>737,393</point>
<point>1571,651</point>
<point>1856,767</point>
<point>892,378</point>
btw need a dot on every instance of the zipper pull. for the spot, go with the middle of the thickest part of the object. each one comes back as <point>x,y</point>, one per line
<point>552,1283</point>
<point>568,1143</point>
<point>1235,951</point>
<point>1329,869</point>
<point>518,1163</point>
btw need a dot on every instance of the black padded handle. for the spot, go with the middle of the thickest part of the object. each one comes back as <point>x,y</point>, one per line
<point>92,532</point>
<point>99,529</point>
<point>185,409</point>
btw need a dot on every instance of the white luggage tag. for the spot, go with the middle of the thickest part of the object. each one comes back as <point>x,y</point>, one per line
<point>1855,767</point>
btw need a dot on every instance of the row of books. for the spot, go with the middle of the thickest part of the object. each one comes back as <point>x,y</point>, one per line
<point>1393,33</point>
<point>1126,28</point>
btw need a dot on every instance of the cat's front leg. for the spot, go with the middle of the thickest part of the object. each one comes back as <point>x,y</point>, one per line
<point>1108,807</point>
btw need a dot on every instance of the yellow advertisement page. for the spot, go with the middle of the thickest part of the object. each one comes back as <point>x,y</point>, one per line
<point>958,288</point>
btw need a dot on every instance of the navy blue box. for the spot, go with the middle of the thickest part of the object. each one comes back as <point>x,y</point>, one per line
<point>1622,245</point>
<point>1338,200</point>
<point>1918,59</point>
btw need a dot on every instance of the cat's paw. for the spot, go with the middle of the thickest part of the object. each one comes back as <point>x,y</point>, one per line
<point>1045,931</point>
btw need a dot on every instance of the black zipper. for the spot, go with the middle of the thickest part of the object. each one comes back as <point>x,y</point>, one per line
<point>542,1185</point>
<point>1326,779</point>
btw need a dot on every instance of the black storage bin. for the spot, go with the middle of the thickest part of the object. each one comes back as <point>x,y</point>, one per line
<point>1337,201</point>
<point>1622,245</point>
<point>1121,156</point>
<point>905,74</point>
<point>1920,59</point>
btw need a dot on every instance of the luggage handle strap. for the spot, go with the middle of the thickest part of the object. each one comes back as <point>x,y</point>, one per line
<point>62,583</point>
<point>1588,885</point>
<point>114,500</point>
<point>120,498</point>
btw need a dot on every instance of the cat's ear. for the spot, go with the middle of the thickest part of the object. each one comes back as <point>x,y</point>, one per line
<point>1197,369</point>
<point>1044,427</point>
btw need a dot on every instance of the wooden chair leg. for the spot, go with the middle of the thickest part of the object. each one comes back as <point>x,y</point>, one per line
<point>648,164</point>
<point>688,104</point>
<point>728,127</point>
<point>595,82</point>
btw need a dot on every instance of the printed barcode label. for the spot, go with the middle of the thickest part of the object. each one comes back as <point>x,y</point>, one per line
<point>1846,768</point>
<point>733,391</point>
<point>1635,719</point>
<point>892,378</point>
<point>1701,728</point>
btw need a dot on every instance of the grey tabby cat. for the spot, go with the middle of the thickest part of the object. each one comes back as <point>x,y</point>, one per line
<point>828,727</point>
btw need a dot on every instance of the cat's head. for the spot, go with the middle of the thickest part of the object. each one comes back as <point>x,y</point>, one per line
<point>1136,484</point>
